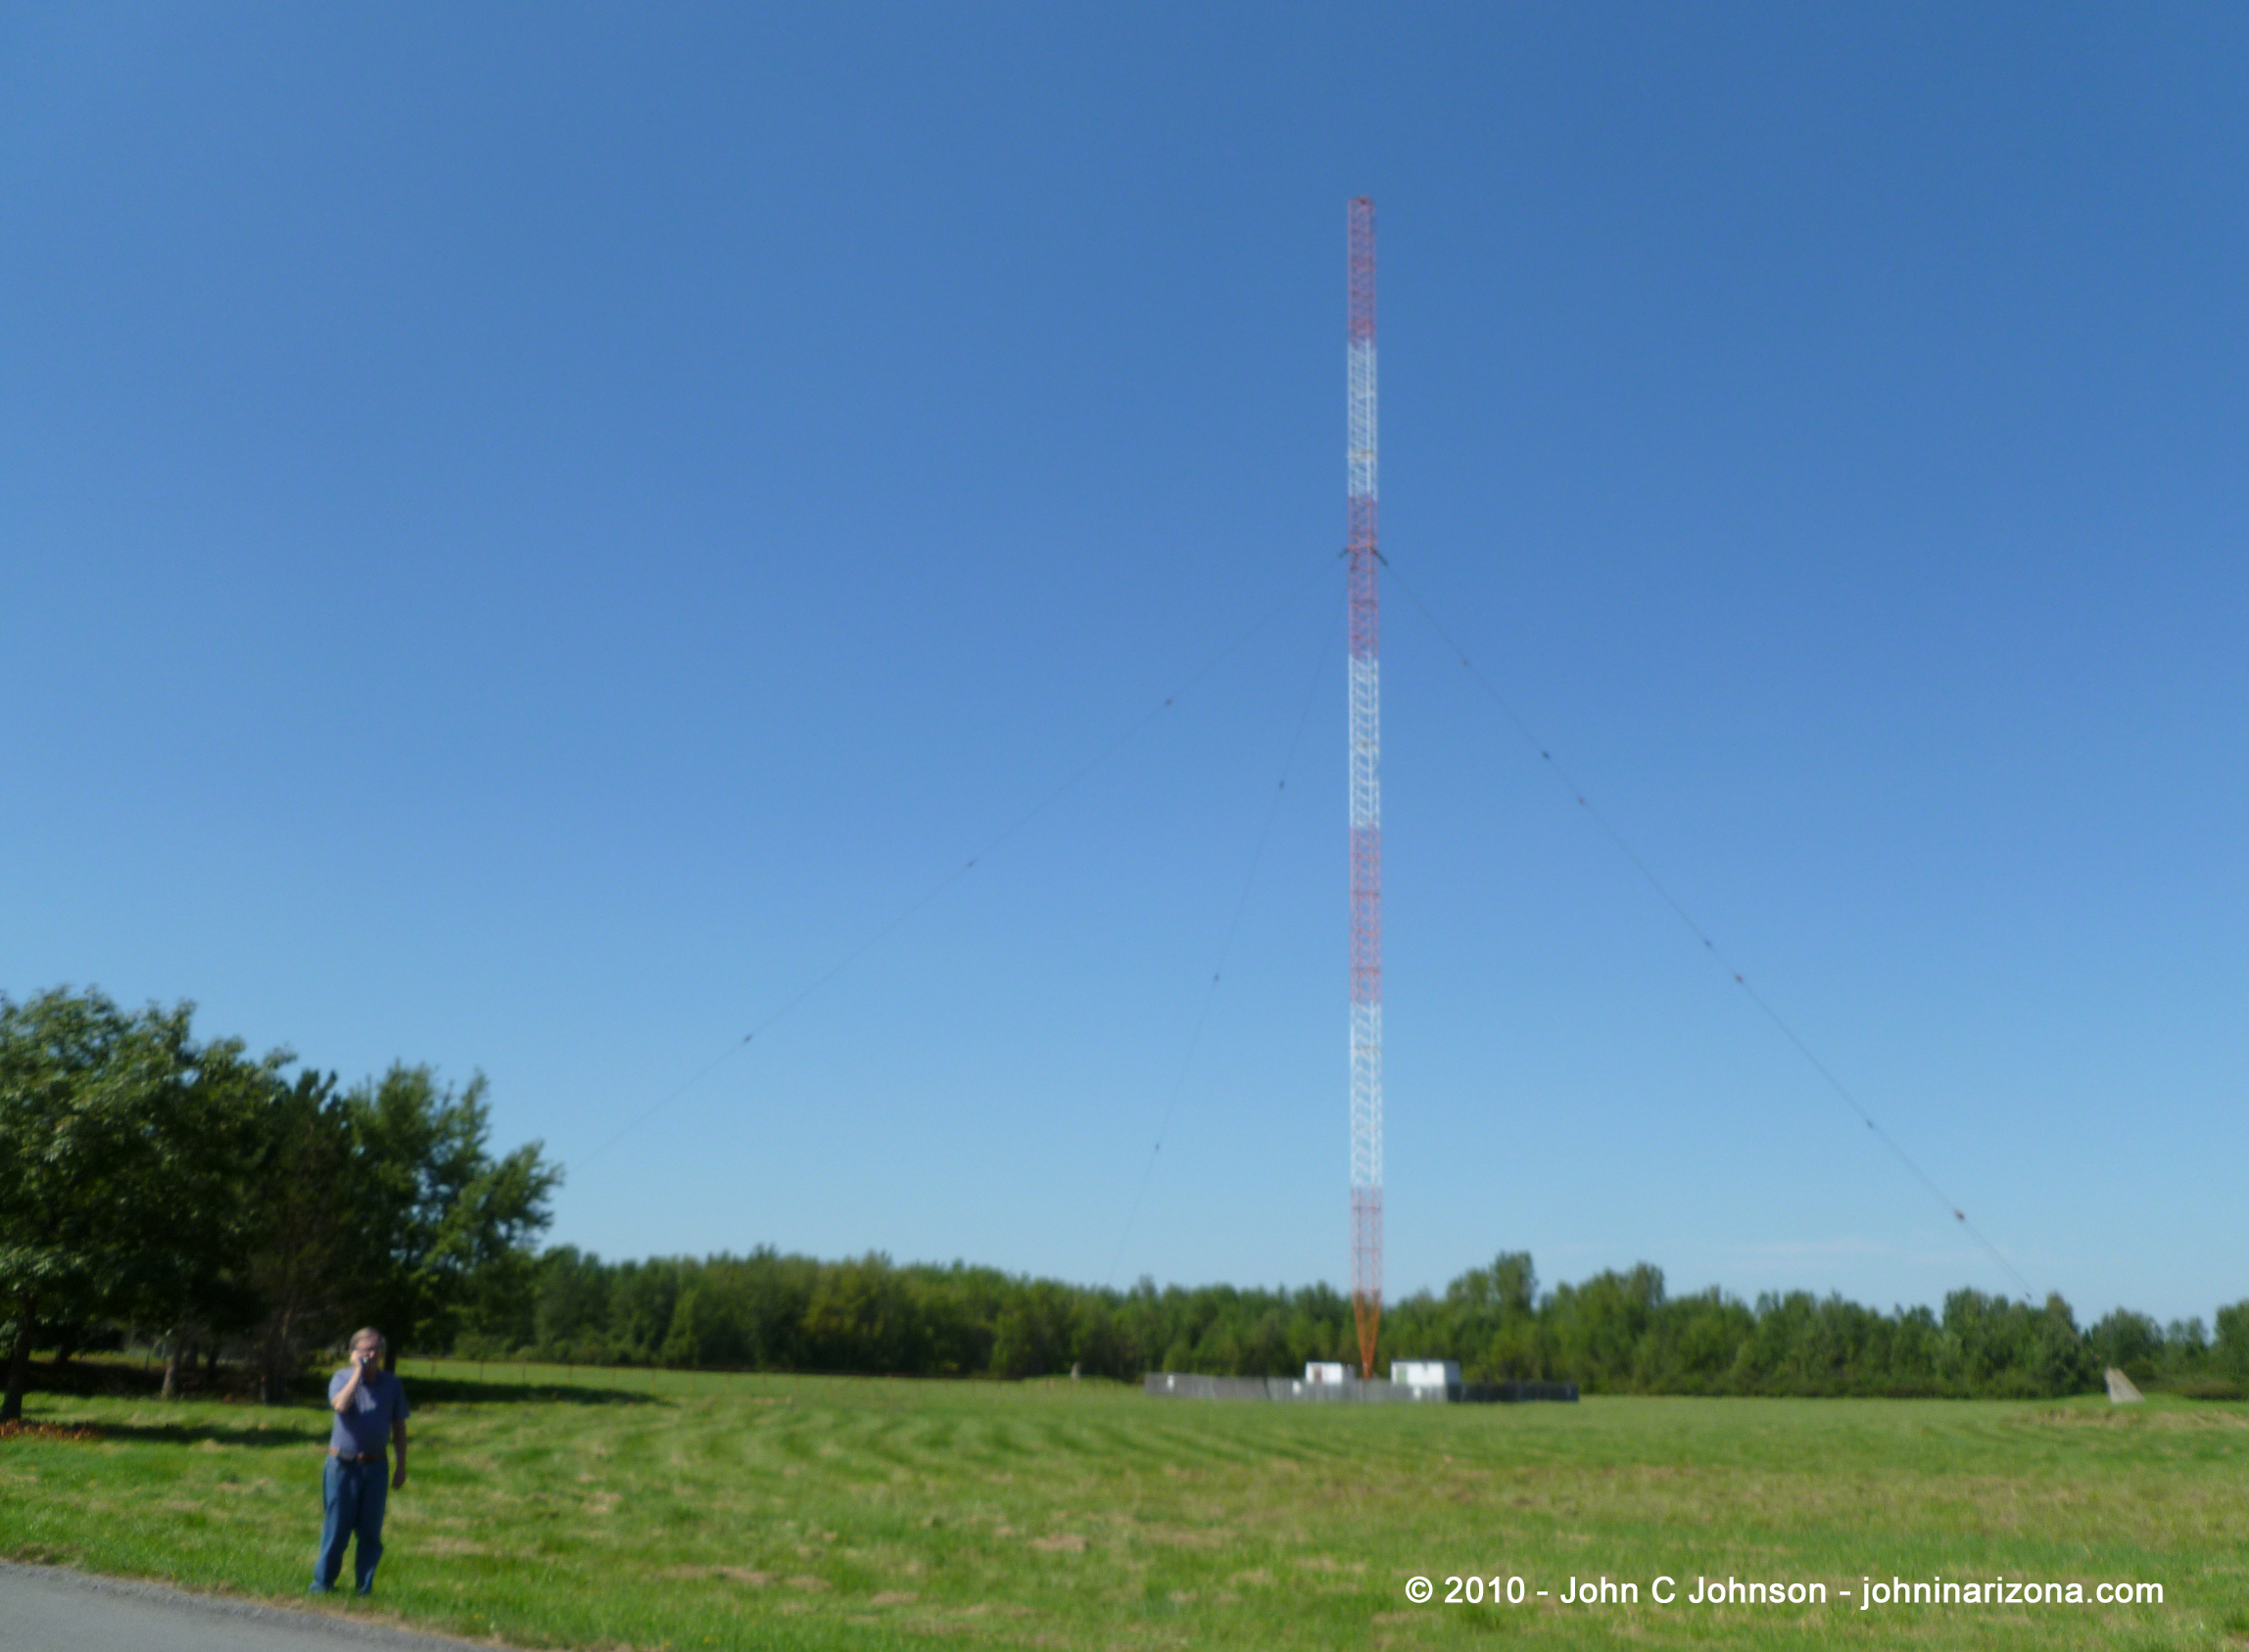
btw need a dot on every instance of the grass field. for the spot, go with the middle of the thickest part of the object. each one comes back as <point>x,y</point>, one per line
<point>662,1509</point>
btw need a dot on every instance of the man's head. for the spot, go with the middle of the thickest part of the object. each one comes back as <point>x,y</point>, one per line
<point>367,1342</point>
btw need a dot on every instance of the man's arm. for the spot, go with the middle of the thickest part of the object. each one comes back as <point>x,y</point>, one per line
<point>363,1365</point>
<point>343,1396</point>
<point>398,1440</point>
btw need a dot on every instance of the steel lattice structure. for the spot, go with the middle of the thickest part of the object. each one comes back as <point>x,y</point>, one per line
<point>1365,810</point>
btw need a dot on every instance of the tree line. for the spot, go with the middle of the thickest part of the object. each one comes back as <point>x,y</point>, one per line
<point>180,1193</point>
<point>1616,1333</point>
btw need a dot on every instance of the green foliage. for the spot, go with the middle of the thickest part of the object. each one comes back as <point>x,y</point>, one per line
<point>71,1159</point>
<point>1616,1333</point>
<point>2126,1341</point>
<point>150,1179</point>
<point>154,1180</point>
<point>126,1152</point>
<point>1036,1331</point>
<point>2231,1352</point>
<point>864,1317</point>
<point>443,1214</point>
<point>310,1261</point>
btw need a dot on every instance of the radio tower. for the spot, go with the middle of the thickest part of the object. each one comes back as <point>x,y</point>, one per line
<point>1365,811</point>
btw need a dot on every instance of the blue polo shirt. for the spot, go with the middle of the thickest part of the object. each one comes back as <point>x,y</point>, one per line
<point>363,1427</point>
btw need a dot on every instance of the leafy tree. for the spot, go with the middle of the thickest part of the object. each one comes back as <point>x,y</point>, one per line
<point>570,1298</point>
<point>111,1196</point>
<point>61,1145</point>
<point>1508,1287</point>
<point>1033,1335</point>
<point>2129,1341</point>
<point>964,1307</point>
<point>2230,1353</point>
<point>150,1177</point>
<point>208,1112</point>
<point>1101,1344</point>
<point>1598,1326</point>
<point>644,1298</point>
<point>312,1220</point>
<point>863,1316</point>
<point>443,1209</point>
<point>2186,1348</point>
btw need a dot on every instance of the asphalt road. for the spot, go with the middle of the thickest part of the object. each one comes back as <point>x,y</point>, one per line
<point>46,1608</point>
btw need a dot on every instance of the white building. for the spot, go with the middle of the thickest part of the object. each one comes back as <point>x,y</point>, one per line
<point>1323,1371</point>
<point>1426,1373</point>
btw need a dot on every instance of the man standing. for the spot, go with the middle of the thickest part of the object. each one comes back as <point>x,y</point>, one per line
<point>370,1406</point>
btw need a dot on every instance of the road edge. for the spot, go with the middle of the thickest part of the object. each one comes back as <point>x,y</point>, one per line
<point>236,1608</point>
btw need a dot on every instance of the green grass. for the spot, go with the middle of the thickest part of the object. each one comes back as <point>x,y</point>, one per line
<point>669,1510</point>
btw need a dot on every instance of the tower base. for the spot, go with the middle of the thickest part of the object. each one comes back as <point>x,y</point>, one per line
<point>1352,1390</point>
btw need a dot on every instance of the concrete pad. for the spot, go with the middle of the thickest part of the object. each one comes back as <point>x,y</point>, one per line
<point>2120,1389</point>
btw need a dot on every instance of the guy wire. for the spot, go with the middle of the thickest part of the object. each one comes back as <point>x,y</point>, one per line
<point>1226,946</point>
<point>961,870</point>
<point>1709,946</point>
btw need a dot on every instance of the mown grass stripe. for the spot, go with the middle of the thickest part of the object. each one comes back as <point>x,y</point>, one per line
<point>823,1513</point>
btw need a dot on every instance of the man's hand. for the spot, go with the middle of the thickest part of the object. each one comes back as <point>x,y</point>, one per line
<point>363,1367</point>
<point>398,1478</point>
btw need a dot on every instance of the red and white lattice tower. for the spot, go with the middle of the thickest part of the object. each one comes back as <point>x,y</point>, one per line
<point>1365,811</point>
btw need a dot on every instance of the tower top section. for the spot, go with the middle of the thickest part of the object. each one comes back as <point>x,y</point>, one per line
<point>1362,440</point>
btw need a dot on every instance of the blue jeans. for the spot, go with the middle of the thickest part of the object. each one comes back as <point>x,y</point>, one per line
<point>353,1495</point>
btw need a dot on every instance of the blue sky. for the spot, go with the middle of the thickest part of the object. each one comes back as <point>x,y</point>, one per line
<point>530,534</point>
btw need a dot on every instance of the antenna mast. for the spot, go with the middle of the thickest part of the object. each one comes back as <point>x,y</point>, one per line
<point>1365,810</point>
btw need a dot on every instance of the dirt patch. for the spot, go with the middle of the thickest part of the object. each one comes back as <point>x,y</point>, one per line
<point>47,1431</point>
<point>449,1546</point>
<point>742,1575</point>
<point>1062,1543</point>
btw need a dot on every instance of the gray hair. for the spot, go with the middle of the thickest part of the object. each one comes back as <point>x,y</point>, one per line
<point>382,1342</point>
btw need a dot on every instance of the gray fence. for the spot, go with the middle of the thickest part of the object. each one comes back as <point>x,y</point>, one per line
<point>1172,1385</point>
